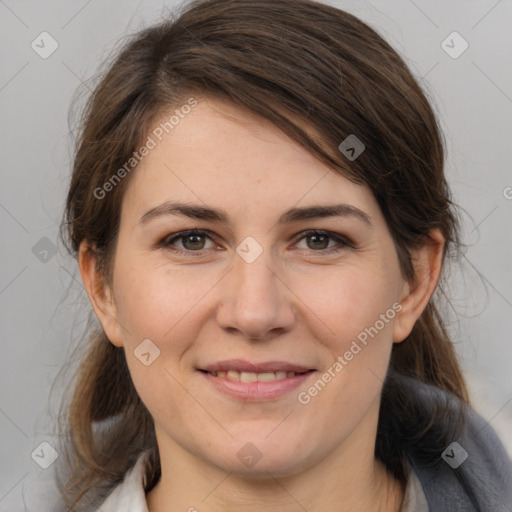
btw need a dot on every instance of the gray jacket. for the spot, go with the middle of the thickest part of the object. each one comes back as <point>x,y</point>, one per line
<point>475,474</point>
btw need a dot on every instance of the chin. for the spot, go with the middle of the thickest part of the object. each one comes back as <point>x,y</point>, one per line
<point>256,459</point>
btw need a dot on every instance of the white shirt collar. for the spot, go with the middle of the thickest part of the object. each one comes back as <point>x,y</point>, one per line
<point>129,495</point>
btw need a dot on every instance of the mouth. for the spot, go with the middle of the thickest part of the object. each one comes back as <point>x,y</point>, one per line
<point>247,381</point>
<point>248,377</point>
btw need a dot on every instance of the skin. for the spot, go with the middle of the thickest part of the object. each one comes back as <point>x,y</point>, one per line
<point>297,301</point>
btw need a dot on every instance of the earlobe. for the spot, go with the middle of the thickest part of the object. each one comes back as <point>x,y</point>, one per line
<point>100,294</point>
<point>427,262</point>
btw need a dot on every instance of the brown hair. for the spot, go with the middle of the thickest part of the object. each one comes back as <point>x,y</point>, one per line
<point>319,74</point>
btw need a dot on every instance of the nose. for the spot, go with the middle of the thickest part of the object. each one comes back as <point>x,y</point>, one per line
<point>255,301</point>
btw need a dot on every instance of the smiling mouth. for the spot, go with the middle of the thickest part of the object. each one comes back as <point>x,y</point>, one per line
<point>248,377</point>
<point>251,381</point>
<point>248,382</point>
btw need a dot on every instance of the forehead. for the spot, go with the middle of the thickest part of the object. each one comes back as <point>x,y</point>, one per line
<point>228,157</point>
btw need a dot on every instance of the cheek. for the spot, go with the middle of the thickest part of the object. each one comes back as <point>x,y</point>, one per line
<point>163,307</point>
<point>353,300</point>
<point>357,305</point>
<point>154,303</point>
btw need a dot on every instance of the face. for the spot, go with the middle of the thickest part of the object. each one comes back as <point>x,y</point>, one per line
<point>268,326</point>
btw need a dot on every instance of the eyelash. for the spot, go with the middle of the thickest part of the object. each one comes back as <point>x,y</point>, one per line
<point>168,241</point>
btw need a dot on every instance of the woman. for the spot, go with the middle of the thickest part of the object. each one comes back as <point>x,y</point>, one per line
<point>260,215</point>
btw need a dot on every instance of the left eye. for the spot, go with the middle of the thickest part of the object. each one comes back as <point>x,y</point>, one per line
<point>320,240</point>
<point>191,240</point>
<point>195,240</point>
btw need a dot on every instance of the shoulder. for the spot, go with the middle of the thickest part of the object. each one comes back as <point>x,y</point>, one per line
<point>473,472</point>
<point>129,495</point>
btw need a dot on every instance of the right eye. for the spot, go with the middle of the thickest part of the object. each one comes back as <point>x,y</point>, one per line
<point>191,241</point>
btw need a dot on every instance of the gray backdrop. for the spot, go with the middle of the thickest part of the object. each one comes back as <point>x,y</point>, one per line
<point>49,49</point>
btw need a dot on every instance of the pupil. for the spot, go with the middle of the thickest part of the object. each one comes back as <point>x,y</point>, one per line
<point>319,236</point>
<point>196,237</point>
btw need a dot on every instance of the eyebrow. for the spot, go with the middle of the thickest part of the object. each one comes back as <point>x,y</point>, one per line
<point>199,212</point>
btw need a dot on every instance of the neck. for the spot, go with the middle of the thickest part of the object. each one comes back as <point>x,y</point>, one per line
<point>348,479</point>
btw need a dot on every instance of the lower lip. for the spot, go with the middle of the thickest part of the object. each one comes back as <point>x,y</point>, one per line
<point>257,391</point>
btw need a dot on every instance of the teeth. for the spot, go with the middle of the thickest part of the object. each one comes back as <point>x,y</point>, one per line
<point>267,377</point>
<point>253,377</point>
<point>234,376</point>
<point>248,377</point>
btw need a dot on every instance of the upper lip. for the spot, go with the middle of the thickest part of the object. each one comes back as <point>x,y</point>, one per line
<point>240,365</point>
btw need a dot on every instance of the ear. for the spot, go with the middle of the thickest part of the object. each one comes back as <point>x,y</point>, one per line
<point>427,262</point>
<point>99,293</point>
